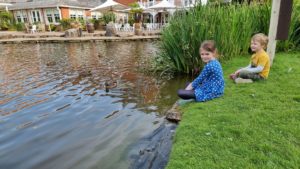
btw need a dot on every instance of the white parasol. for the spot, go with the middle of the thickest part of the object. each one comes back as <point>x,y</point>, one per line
<point>163,5</point>
<point>5,5</point>
<point>109,5</point>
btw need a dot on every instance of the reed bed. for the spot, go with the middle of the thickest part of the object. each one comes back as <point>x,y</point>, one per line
<point>231,26</point>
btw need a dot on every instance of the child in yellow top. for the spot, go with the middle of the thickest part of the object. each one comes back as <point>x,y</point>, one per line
<point>259,67</point>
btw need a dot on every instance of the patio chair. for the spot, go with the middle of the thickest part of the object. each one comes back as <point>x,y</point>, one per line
<point>155,26</point>
<point>149,26</point>
<point>127,27</point>
<point>33,29</point>
<point>118,26</point>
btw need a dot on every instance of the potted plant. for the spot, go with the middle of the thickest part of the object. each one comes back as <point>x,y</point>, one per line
<point>90,26</point>
<point>136,13</point>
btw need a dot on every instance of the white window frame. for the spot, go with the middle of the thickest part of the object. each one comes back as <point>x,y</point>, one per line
<point>96,15</point>
<point>21,16</point>
<point>77,13</point>
<point>53,13</point>
<point>36,16</point>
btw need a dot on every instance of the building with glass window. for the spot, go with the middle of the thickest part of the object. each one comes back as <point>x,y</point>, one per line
<point>51,11</point>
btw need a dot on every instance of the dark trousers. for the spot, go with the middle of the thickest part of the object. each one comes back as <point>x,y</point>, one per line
<point>249,75</point>
<point>186,94</point>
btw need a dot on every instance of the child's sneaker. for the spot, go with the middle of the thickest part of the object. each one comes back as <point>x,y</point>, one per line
<point>241,80</point>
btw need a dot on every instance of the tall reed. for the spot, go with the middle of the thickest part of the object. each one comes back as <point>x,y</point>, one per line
<point>231,26</point>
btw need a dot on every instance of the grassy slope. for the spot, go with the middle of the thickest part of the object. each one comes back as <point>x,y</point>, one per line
<point>252,126</point>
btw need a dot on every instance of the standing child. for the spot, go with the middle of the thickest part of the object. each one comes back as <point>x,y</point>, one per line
<point>259,66</point>
<point>210,83</point>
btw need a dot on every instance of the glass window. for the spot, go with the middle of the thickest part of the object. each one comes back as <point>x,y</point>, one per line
<point>72,16</point>
<point>24,15</point>
<point>49,16</point>
<point>186,3</point>
<point>36,16</point>
<point>19,19</point>
<point>80,16</point>
<point>53,15</point>
<point>56,17</point>
<point>76,13</point>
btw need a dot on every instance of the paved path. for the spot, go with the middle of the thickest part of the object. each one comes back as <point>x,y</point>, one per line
<point>54,37</point>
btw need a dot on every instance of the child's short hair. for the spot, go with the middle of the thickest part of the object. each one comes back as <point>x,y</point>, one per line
<point>210,46</point>
<point>261,38</point>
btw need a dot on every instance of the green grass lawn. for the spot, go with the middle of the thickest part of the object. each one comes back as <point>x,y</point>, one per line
<point>252,126</point>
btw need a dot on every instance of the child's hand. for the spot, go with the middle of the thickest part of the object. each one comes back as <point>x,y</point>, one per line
<point>233,76</point>
<point>189,87</point>
<point>237,72</point>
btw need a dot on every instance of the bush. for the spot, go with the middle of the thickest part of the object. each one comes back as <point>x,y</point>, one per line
<point>98,23</point>
<point>6,20</point>
<point>66,23</point>
<point>52,27</point>
<point>20,26</point>
<point>109,16</point>
<point>231,26</point>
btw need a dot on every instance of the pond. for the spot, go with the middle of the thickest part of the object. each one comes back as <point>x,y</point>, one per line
<point>79,105</point>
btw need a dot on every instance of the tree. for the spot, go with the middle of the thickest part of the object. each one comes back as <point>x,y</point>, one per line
<point>6,20</point>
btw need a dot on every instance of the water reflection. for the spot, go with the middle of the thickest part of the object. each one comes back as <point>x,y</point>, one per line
<point>77,105</point>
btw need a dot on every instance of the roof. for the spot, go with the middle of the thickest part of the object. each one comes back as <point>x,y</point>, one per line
<point>33,4</point>
<point>5,4</point>
<point>12,1</point>
<point>126,2</point>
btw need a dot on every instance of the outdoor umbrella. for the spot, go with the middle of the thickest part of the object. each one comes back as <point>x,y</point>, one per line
<point>5,5</point>
<point>109,5</point>
<point>163,5</point>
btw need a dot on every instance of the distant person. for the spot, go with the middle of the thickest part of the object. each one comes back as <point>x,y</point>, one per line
<point>259,66</point>
<point>210,83</point>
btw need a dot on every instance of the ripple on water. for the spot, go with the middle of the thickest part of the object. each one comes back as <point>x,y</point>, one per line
<point>63,106</point>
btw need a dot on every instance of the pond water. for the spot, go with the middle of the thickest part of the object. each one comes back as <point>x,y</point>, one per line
<point>78,105</point>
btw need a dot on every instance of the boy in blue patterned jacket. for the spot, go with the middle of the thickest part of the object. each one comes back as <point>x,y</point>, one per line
<point>210,83</point>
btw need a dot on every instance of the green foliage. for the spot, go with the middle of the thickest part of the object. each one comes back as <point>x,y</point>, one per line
<point>91,21</point>
<point>251,126</point>
<point>131,20</point>
<point>231,26</point>
<point>135,8</point>
<point>82,23</point>
<point>109,16</point>
<point>53,27</point>
<point>20,26</point>
<point>6,20</point>
<point>98,22</point>
<point>135,13</point>
<point>66,23</point>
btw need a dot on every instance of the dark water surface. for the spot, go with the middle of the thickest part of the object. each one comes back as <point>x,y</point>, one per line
<point>78,105</point>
